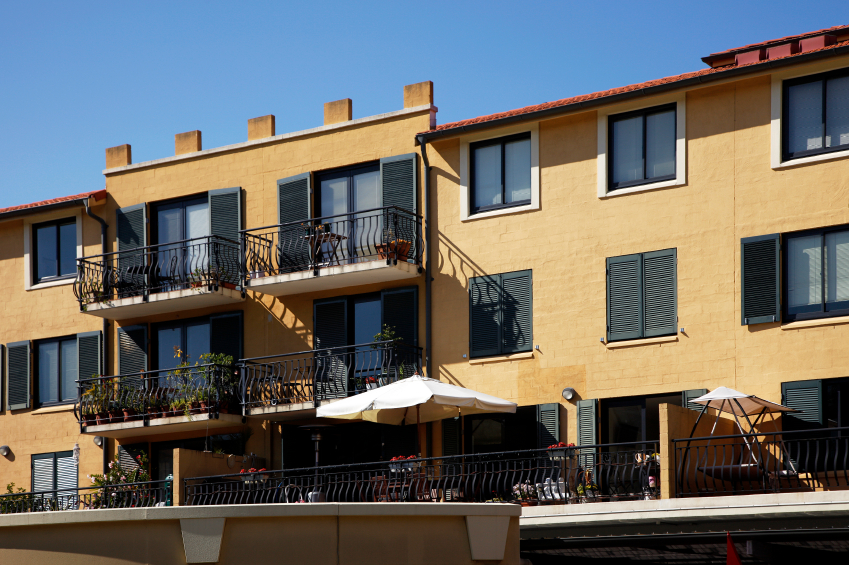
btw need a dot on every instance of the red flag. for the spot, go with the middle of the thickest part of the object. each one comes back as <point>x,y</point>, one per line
<point>731,555</point>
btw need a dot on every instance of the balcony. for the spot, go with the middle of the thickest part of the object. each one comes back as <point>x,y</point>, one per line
<point>373,246</point>
<point>290,386</point>
<point>154,402</point>
<point>145,281</point>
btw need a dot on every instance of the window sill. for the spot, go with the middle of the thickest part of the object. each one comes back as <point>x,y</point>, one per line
<point>636,342</point>
<point>59,282</point>
<point>502,358</point>
<point>816,323</point>
<point>643,188</point>
<point>501,212</point>
<point>52,409</point>
<point>812,159</point>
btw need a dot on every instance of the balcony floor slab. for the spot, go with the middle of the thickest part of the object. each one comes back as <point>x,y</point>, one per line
<point>164,302</point>
<point>330,278</point>
<point>287,411</point>
<point>164,425</point>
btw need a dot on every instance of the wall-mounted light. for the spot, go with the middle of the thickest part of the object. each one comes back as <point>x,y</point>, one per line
<point>4,450</point>
<point>98,441</point>
<point>568,393</point>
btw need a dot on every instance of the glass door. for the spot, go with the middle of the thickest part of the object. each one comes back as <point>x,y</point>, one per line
<point>179,260</point>
<point>349,234</point>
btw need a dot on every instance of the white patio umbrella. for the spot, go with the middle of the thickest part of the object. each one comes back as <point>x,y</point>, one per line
<point>734,402</point>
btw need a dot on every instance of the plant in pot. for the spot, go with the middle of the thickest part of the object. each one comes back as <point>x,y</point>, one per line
<point>395,249</point>
<point>587,488</point>
<point>525,493</point>
<point>154,407</point>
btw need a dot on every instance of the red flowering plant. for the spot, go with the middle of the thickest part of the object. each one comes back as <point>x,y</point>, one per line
<point>118,488</point>
<point>561,445</point>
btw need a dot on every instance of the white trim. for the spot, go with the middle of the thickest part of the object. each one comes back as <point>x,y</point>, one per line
<point>776,103</point>
<point>680,99</point>
<point>28,261</point>
<point>816,323</point>
<point>641,341</point>
<point>465,189</point>
<point>285,136</point>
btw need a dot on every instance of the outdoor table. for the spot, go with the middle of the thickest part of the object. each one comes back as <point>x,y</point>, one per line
<point>333,240</point>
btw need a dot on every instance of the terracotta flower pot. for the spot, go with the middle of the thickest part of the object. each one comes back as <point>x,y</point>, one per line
<point>204,405</point>
<point>102,418</point>
<point>89,419</point>
<point>129,414</point>
<point>116,416</point>
<point>153,412</point>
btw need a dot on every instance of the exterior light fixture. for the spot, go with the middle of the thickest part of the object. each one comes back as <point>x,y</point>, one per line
<point>4,450</point>
<point>568,393</point>
<point>98,441</point>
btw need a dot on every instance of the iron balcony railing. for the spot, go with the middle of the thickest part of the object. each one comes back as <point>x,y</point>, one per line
<point>209,261</point>
<point>532,477</point>
<point>333,372</point>
<point>796,461</point>
<point>389,233</point>
<point>129,495</point>
<point>182,391</point>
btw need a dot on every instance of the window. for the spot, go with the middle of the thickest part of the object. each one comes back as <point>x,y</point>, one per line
<point>817,273</point>
<point>641,145</point>
<point>500,314</point>
<point>501,172</point>
<point>55,250</point>
<point>821,404</point>
<point>54,471</point>
<point>340,195</point>
<point>56,367</point>
<point>642,295</point>
<point>181,342</point>
<point>816,114</point>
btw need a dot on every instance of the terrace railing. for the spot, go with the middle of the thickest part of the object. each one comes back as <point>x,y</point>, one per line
<point>129,495</point>
<point>795,461</point>
<point>389,233</point>
<point>198,389</point>
<point>209,261</point>
<point>532,477</point>
<point>334,372</point>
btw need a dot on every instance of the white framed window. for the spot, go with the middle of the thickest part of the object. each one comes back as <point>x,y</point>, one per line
<point>642,145</point>
<point>47,263</point>
<point>499,172</point>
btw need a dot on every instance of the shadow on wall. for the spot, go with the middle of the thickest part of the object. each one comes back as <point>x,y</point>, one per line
<point>299,338</point>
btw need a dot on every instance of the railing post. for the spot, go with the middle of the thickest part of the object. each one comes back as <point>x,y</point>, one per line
<point>395,231</point>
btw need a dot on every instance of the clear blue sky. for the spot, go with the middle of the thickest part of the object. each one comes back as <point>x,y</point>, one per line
<point>77,77</point>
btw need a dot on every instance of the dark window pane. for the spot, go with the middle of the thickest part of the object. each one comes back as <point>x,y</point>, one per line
<point>68,249</point>
<point>837,112</point>
<point>487,189</point>
<point>168,342</point>
<point>48,372</point>
<point>46,263</point>
<point>366,320</point>
<point>804,109</point>
<point>660,144</point>
<point>68,352</point>
<point>628,150</point>
<point>517,170</point>
<point>197,341</point>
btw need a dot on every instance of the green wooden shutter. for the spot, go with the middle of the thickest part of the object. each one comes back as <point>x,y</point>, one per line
<point>548,424</point>
<point>293,207</point>
<point>225,221</point>
<point>2,375</point>
<point>450,437</point>
<point>805,396</point>
<point>330,329</point>
<point>624,297</point>
<point>660,292</point>
<point>66,473</point>
<point>400,311</point>
<point>127,455</point>
<point>131,229</point>
<point>517,312</point>
<point>225,334</point>
<point>43,472</point>
<point>132,350</point>
<point>587,421</point>
<point>687,397</point>
<point>760,279</point>
<point>398,180</point>
<point>485,315</point>
<point>18,374</point>
<point>89,350</point>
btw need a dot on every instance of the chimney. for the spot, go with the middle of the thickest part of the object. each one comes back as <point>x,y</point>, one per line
<point>418,94</point>
<point>119,156</point>
<point>338,111</point>
<point>259,128</point>
<point>188,142</point>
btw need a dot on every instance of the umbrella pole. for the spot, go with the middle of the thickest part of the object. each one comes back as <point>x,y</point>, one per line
<point>418,431</point>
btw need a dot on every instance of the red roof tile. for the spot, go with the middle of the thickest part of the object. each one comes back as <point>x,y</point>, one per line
<point>779,41</point>
<point>97,195</point>
<point>614,91</point>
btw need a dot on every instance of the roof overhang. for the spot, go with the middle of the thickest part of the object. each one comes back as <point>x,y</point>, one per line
<point>91,199</point>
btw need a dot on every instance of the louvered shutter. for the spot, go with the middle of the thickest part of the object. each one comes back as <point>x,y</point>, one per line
<point>2,375</point>
<point>660,293</point>
<point>484,315</point>
<point>450,437</point>
<point>127,456</point>
<point>805,396</point>
<point>624,297</point>
<point>330,329</point>
<point>760,279</point>
<point>293,213</point>
<point>398,180</point>
<point>131,228</point>
<point>516,312</point>
<point>43,472</point>
<point>18,374</point>
<point>89,348</point>
<point>225,334</point>
<point>225,221</point>
<point>687,397</point>
<point>548,424</point>
<point>400,311</point>
<point>587,418</point>
<point>132,350</point>
<point>66,474</point>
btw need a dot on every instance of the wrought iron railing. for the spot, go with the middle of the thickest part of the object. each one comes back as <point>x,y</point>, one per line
<point>532,477</point>
<point>129,495</point>
<point>209,261</point>
<point>334,372</point>
<point>182,391</point>
<point>389,233</point>
<point>794,461</point>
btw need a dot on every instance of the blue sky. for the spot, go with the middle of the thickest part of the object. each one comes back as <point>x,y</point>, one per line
<point>77,77</point>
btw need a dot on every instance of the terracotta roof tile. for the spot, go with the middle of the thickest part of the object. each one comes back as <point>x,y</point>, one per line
<point>614,91</point>
<point>779,41</point>
<point>96,194</point>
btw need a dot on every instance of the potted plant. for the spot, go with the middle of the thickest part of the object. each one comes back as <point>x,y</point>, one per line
<point>587,489</point>
<point>396,249</point>
<point>560,450</point>
<point>525,493</point>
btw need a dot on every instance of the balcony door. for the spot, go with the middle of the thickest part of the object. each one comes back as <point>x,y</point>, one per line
<point>343,195</point>
<point>182,256</point>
